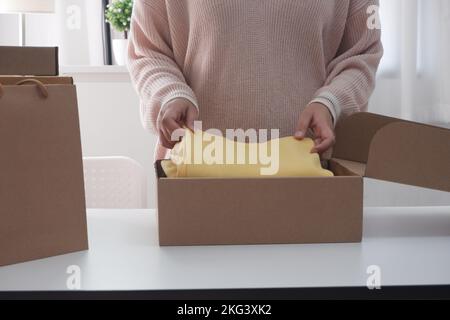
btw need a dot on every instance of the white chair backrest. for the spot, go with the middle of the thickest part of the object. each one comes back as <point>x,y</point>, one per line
<point>114,182</point>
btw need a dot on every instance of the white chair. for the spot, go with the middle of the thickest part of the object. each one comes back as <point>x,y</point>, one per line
<point>114,182</point>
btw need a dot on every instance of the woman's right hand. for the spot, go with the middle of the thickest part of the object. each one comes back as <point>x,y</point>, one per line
<point>174,115</point>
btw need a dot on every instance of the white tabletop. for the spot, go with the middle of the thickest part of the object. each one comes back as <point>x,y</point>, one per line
<point>410,245</point>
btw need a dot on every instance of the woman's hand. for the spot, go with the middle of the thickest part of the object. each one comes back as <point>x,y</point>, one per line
<point>175,115</point>
<point>317,117</point>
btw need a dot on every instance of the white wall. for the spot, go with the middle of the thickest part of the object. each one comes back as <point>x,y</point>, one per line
<point>9,30</point>
<point>110,123</point>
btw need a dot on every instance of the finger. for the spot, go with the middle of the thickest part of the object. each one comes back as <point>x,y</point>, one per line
<point>168,139</point>
<point>168,126</point>
<point>191,116</point>
<point>163,140</point>
<point>159,120</point>
<point>171,128</point>
<point>317,142</point>
<point>303,125</point>
<point>178,134</point>
<point>317,132</point>
<point>325,144</point>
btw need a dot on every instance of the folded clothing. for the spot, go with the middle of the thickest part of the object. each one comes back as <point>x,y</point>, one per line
<point>200,154</point>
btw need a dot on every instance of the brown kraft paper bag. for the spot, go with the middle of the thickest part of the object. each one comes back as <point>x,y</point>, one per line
<point>42,202</point>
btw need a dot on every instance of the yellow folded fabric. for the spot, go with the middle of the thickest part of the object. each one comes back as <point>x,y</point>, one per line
<point>201,154</point>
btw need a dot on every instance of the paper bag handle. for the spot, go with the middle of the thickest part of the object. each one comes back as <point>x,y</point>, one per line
<point>42,89</point>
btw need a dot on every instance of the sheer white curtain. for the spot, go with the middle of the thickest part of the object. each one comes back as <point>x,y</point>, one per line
<point>415,71</point>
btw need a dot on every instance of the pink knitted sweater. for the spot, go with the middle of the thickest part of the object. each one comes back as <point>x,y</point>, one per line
<point>253,63</point>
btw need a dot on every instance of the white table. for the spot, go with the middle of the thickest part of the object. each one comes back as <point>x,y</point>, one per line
<point>410,245</point>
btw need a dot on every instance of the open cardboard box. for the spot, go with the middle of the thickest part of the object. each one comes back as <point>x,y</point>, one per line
<point>209,211</point>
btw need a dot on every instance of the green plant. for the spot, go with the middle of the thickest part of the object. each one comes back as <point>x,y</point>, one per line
<point>118,15</point>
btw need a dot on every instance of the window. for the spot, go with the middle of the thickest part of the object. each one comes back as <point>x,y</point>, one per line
<point>76,27</point>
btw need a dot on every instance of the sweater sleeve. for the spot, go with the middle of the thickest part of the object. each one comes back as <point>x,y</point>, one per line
<point>151,62</point>
<point>351,74</point>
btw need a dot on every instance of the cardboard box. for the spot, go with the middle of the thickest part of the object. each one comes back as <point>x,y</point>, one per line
<point>199,211</point>
<point>36,61</point>
<point>42,202</point>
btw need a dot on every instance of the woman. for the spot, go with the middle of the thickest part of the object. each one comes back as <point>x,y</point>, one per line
<point>291,65</point>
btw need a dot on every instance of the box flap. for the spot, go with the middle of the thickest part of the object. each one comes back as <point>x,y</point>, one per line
<point>396,150</point>
<point>411,153</point>
<point>355,133</point>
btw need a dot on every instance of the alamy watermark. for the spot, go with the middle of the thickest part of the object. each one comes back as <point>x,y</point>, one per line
<point>73,281</point>
<point>374,21</point>
<point>374,278</point>
<point>209,147</point>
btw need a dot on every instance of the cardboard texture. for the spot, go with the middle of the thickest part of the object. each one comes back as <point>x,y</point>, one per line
<point>355,133</point>
<point>36,61</point>
<point>305,210</point>
<point>259,211</point>
<point>42,203</point>
<point>396,150</point>
<point>12,80</point>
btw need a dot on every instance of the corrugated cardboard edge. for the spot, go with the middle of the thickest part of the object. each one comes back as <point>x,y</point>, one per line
<point>411,153</point>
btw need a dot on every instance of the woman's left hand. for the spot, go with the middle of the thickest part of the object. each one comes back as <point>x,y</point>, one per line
<point>317,117</point>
